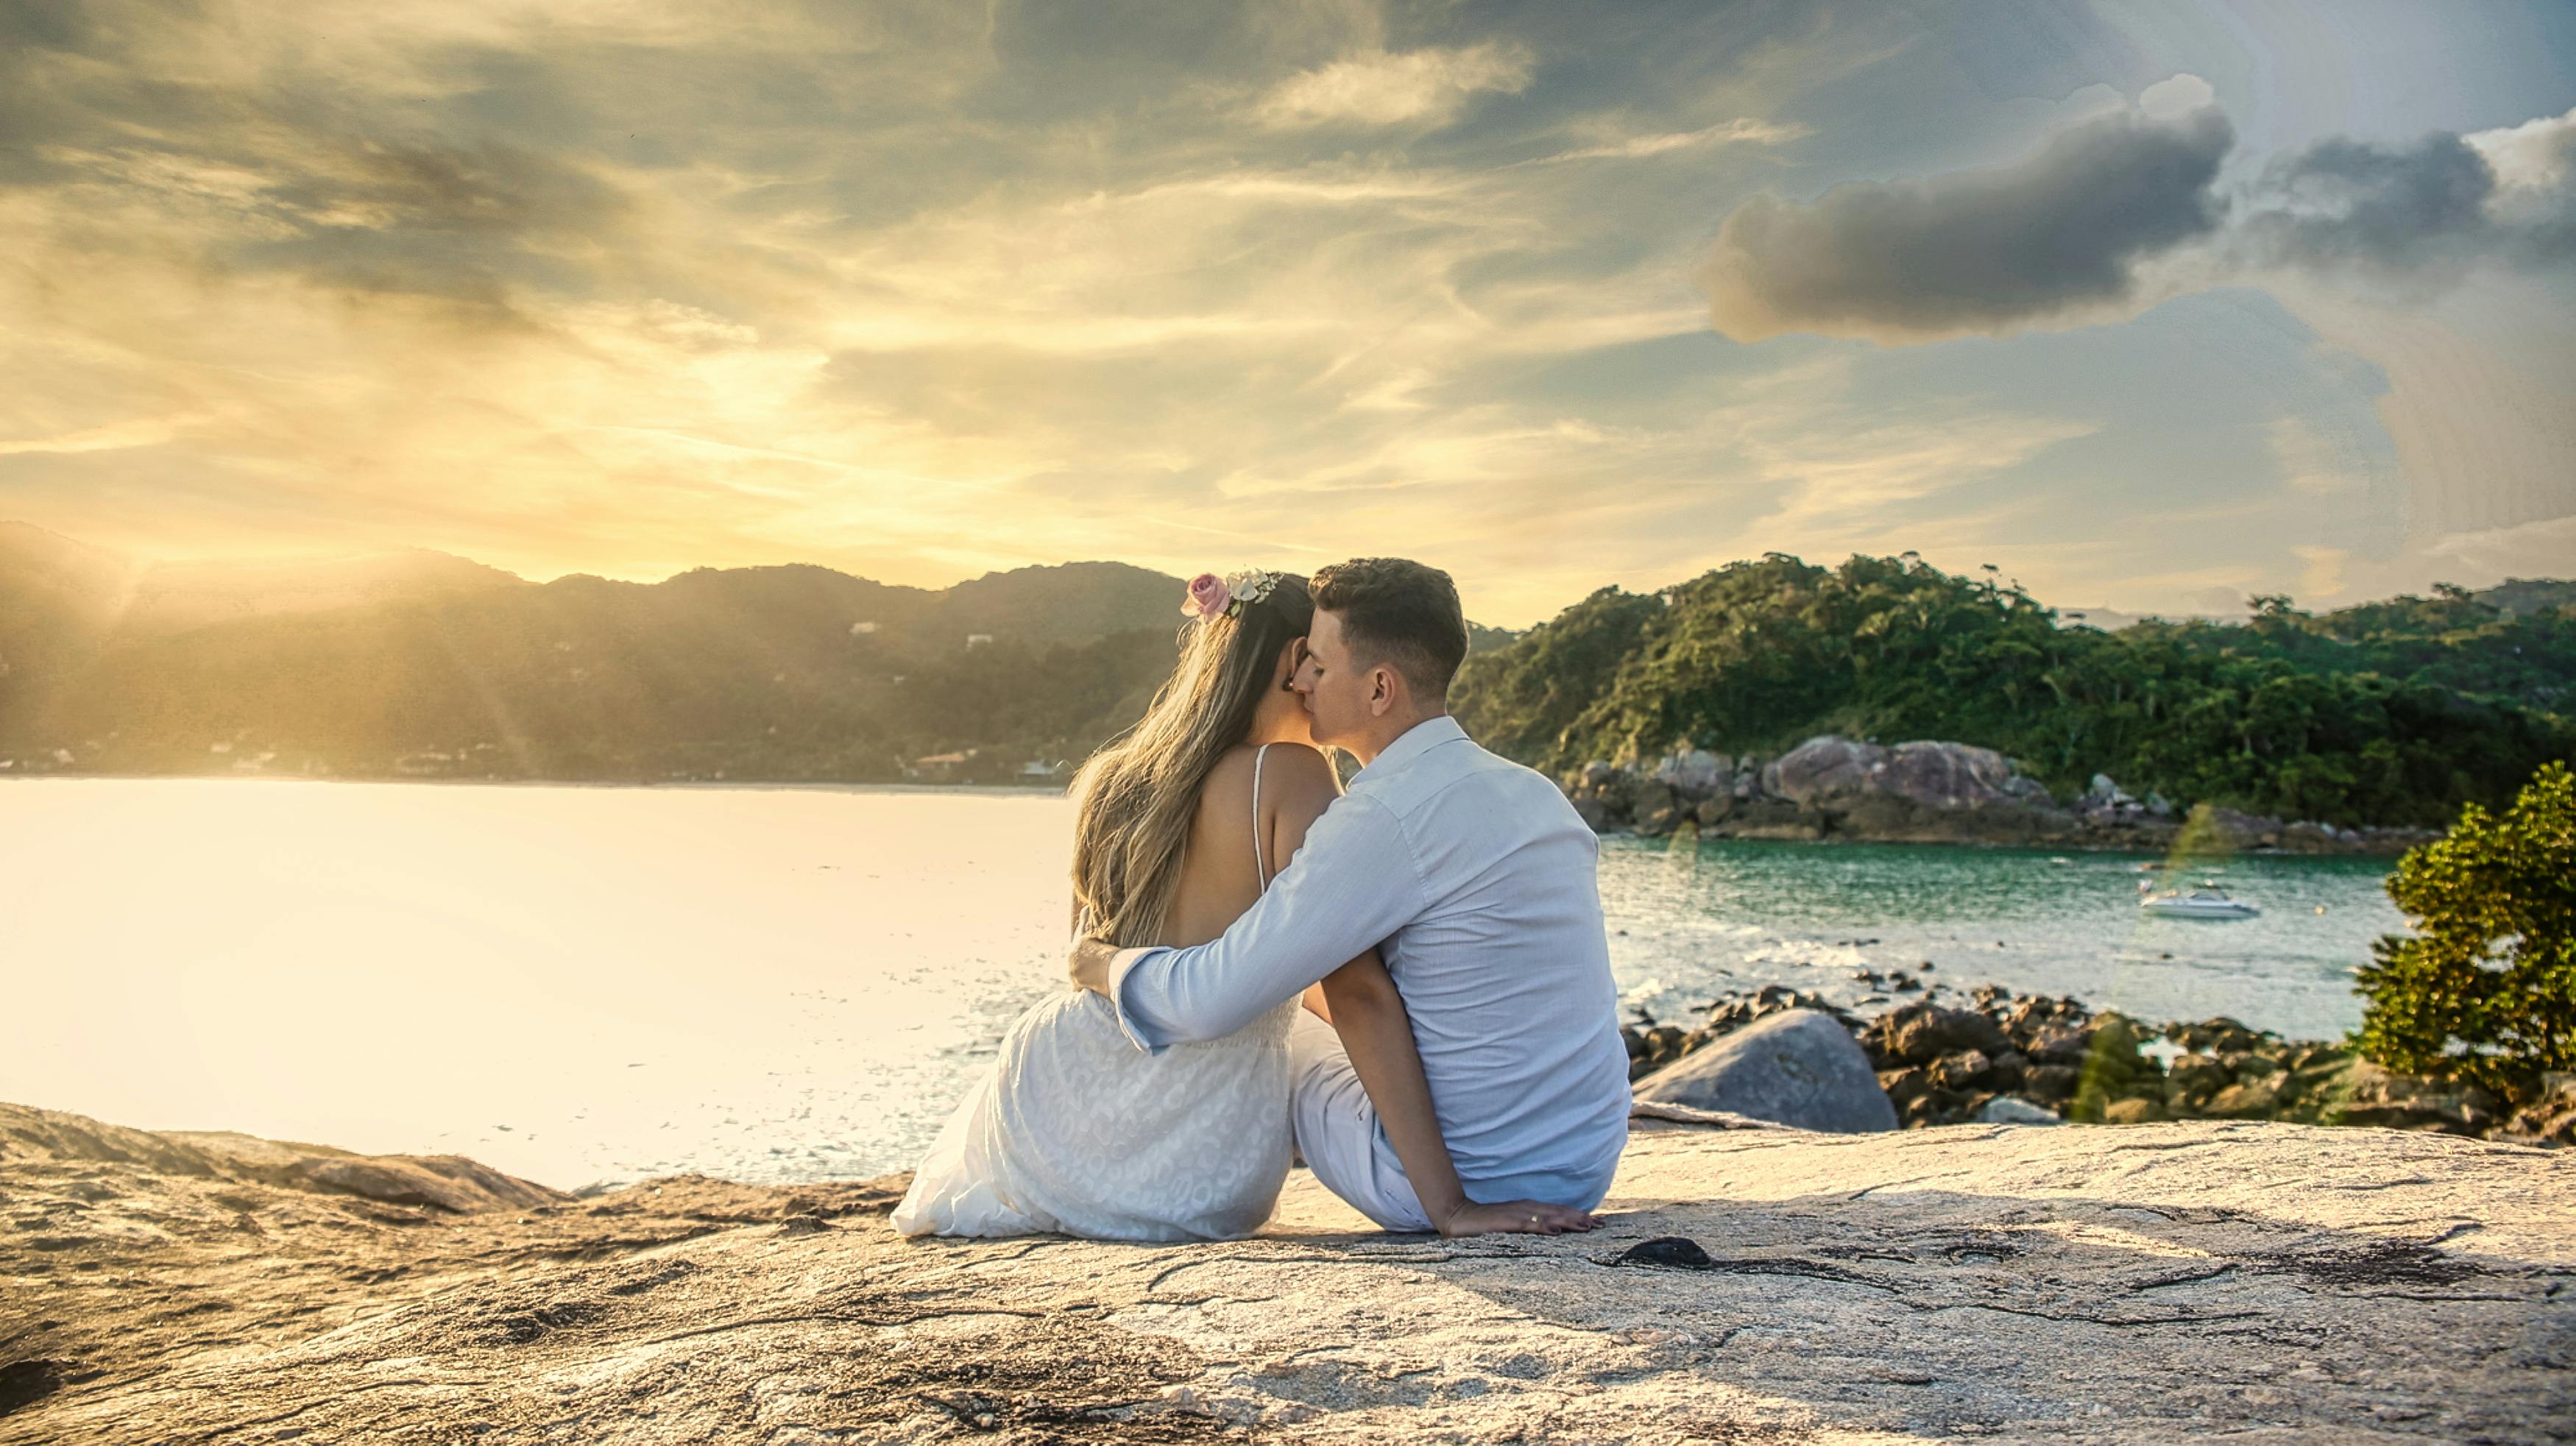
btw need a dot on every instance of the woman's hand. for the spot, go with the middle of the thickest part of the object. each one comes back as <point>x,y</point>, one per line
<point>1088,963</point>
<point>1514,1217</point>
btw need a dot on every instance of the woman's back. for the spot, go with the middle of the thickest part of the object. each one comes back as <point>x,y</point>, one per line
<point>1078,1131</point>
<point>1227,864</point>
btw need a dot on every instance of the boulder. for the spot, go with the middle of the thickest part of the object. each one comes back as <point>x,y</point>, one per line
<point>2255,1097</point>
<point>1653,807</point>
<point>2549,1118</point>
<point>2014,1110</point>
<point>1921,1033</point>
<point>2051,1083</point>
<point>1695,773</point>
<point>1799,1067</point>
<point>2132,1112</point>
<point>2192,1079</point>
<point>1962,1071</point>
<point>1822,768</point>
<point>1929,775</point>
<point>2408,1103</point>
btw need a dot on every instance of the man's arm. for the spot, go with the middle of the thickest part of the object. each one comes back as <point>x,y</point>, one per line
<point>1353,884</point>
<point>1378,1035</point>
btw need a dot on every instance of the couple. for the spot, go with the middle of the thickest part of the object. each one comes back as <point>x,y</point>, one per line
<point>1408,983</point>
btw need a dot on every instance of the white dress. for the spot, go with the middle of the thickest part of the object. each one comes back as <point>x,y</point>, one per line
<point>1077,1131</point>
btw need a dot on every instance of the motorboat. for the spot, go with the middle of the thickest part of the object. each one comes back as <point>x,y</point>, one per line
<point>2209,901</point>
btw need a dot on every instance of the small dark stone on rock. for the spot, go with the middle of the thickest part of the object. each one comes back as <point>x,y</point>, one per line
<point>1678,1251</point>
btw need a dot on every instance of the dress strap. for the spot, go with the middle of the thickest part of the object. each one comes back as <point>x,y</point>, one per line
<point>1258,862</point>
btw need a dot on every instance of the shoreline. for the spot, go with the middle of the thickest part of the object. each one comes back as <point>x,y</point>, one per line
<point>1992,1056</point>
<point>1930,791</point>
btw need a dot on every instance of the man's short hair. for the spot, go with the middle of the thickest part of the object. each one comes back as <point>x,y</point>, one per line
<point>1398,612</point>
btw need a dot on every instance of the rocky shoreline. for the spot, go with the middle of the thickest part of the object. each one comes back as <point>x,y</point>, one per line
<point>2000,1057</point>
<point>1753,1285</point>
<point>1925,792</point>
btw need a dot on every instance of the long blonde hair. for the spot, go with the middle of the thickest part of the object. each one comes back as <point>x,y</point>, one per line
<point>1135,800</point>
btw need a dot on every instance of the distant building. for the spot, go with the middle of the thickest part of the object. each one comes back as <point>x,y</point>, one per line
<point>979,640</point>
<point>860,629</point>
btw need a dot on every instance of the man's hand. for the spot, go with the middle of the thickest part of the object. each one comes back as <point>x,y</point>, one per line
<point>1089,962</point>
<point>1515,1217</point>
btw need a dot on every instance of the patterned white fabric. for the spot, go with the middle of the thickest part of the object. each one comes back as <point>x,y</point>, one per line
<point>1077,1131</point>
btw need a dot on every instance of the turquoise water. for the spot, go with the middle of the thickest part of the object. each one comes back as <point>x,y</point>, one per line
<point>1691,920</point>
<point>596,984</point>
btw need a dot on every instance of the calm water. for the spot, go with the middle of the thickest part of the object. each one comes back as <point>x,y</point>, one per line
<point>580,984</point>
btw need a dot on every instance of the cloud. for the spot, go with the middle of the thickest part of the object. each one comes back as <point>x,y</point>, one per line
<point>2533,549</point>
<point>1383,88</point>
<point>2342,203</point>
<point>2322,576</point>
<point>1741,131</point>
<point>1987,251</point>
<point>2427,210</point>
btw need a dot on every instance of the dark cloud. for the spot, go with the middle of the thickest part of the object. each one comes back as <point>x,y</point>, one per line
<point>2410,211</point>
<point>2342,202</point>
<point>1977,251</point>
<point>292,167</point>
<point>461,222</point>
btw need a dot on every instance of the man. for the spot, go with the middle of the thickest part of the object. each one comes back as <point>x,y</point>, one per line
<point>1478,883</point>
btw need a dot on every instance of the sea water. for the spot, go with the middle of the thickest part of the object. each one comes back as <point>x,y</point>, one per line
<point>595,984</point>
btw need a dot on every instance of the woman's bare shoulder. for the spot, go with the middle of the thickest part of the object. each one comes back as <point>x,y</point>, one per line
<point>1304,774</point>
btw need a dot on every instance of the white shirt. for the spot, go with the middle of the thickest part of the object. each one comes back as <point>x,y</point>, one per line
<point>1481,885</point>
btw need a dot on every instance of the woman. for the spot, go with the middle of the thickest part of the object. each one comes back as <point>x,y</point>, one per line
<point>1179,825</point>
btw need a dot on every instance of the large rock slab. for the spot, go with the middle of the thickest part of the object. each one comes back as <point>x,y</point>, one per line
<point>2279,1283</point>
<point>448,1183</point>
<point>1799,1067</point>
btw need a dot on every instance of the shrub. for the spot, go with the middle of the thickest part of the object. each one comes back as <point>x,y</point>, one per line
<point>2486,992</point>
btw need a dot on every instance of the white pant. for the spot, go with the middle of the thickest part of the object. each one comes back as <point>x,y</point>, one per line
<point>1337,1130</point>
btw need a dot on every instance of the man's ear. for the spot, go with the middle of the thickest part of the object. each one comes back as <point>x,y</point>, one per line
<point>1381,690</point>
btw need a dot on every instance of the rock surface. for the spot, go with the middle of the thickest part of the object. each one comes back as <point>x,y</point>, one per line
<point>2144,1284</point>
<point>1999,1057</point>
<point>1926,791</point>
<point>1798,1067</point>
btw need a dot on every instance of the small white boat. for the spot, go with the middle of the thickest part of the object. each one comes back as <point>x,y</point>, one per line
<point>2209,901</point>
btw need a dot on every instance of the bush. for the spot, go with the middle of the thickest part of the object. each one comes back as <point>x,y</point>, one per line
<point>2487,991</point>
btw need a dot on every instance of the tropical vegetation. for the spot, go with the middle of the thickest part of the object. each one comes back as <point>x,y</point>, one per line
<point>2396,712</point>
<point>2484,989</point>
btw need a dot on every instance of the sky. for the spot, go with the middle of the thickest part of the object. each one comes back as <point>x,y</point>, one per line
<point>2151,306</point>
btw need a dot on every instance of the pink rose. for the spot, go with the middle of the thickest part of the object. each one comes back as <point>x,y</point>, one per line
<point>1208,596</point>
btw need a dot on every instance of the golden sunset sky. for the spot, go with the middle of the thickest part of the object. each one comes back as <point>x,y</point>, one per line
<point>2150,305</point>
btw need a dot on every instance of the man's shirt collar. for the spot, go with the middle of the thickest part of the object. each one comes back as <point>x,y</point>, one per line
<point>1415,741</point>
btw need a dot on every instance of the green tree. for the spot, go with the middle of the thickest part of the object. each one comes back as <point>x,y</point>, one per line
<point>2486,991</point>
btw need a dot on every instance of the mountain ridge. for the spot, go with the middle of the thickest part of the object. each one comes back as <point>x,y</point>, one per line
<point>426,665</point>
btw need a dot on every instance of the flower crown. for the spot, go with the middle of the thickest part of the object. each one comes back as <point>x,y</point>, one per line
<point>1211,596</point>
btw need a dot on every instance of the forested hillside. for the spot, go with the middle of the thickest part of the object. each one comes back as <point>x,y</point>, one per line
<point>417,664</point>
<point>777,672</point>
<point>2388,712</point>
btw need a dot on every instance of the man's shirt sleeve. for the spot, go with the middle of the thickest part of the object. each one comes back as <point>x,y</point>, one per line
<point>1352,885</point>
